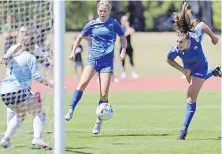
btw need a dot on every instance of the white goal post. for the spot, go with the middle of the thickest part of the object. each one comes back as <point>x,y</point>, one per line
<point>59,91</point>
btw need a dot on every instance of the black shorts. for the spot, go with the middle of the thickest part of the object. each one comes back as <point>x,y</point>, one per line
<point>16,98</point>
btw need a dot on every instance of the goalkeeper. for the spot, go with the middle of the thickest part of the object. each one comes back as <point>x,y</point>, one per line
<point>22,67</point>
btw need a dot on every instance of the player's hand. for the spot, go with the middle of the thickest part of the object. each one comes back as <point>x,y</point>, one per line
<point>214,40</point>
<point>72,56</point>
<point>123,56</point>
<point>186,72</point>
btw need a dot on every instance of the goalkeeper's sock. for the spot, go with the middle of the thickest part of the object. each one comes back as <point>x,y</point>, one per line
<point>13,124</point>
<point>38,125</point>
<point>10,115</point>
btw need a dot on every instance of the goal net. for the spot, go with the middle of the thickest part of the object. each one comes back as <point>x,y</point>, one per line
<point>38,16</point>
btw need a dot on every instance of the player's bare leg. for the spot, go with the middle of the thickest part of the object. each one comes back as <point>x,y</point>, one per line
<point>104,81</point>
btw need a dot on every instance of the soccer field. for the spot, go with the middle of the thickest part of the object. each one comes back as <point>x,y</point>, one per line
<point>144,122</point>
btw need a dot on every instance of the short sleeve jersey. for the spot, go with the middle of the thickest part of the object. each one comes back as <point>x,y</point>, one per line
<point>103,36</point>
<point>194,54</point>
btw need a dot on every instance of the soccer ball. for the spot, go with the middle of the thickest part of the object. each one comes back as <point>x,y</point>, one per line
<point>104,111</point>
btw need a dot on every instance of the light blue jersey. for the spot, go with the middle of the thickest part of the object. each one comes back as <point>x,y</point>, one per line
<point>103,36</point>
<point>20,71</point>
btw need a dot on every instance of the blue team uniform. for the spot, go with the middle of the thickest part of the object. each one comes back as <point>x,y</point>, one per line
<point>193,58</point>
<point>21,69</point>
<point>103,37</point>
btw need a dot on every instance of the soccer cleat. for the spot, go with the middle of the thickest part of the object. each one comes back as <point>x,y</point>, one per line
<point>69,115</point>
<point>182,135</point>
<point>5,143</point>
<point>217,71</point>
<point>97,127</point>
<point>40,144</point>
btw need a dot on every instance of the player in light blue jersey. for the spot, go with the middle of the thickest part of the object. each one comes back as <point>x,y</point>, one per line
<point>102,32</point>
<point>22,67</point>
<point>42,58</point>
<point>195,65</point>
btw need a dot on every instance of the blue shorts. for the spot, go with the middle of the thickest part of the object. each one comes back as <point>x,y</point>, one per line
<point>103,64</point>
<point>199,70</point>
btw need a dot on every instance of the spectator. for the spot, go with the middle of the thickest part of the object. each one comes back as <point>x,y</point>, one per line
<point>9,33</point>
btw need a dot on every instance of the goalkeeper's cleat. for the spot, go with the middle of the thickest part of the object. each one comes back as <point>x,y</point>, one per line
<point>5,143</point>
<point>69,115</point>
<point>97,127</point>
<point>182,135</point>
<point>40,144</point>
<point>217,71</point>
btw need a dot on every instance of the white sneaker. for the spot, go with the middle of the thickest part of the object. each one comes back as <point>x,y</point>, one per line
<point>40,144</point>
<point>135,76</point>
<point>123,75</point>
<point>115,79</point>
<point>5,143</point>
<point>97,127</point>
<point>69,115</point>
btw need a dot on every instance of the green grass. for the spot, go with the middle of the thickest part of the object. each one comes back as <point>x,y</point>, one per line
<point>144,122</point>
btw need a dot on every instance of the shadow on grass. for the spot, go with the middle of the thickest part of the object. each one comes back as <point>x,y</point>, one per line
<point>217,138</point>
<point>46,132</point>
<point>75,150</point>
<point>127,135</point>
<point>67,149</point>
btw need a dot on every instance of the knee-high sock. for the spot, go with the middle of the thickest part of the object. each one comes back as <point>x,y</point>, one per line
<point>10,115</point>
<point>13,125</point>
<point>189,112</point>
<point>77,94</point>
<point>38,125</point>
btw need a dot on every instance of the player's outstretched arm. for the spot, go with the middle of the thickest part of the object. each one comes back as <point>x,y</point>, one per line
<point>209,32</point>
<point>174,64</point>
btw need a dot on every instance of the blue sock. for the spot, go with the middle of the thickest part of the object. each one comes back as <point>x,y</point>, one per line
<point>190,110</point>
<point>209,74</point>
<point>76,96</point>
<point>100,101</point>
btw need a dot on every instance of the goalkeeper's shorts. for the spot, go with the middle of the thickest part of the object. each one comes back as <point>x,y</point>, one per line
<point>17,98</point>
